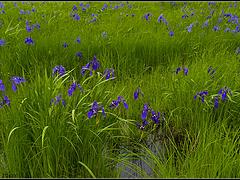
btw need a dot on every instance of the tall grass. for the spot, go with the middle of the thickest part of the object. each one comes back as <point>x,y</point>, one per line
<point>40,139</point>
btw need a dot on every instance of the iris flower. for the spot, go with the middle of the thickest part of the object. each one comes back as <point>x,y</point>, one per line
<point>5,101</point>
<point>216,102</point>
<point>137,92</point>
<point>189,28</point>
<point>74,8</point>
<point>65,45</point>
<point>73,88</point>
<point>94,110</point>
<point>58,99</point>
<point>2,42</point>
<point>79,54</point>
<point>178,70</point>
<point>184,16</point>
<point>155,117</point>
<point>59,69</point>
<point>201,95</point>
<point>29,41</point>
<point>15,81</point>
<point>171,33</point>
<point>215,28</point>
<point>223,92</point>
<point>78,40</point>
<point>185,71</point>
<point>93,65</point>
<point>2,87</point>
<point>108,73</point>
<point>114,104</point>
<point>76,17</point>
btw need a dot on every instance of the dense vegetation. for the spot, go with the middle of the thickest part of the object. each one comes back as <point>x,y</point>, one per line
<point>119,89</point>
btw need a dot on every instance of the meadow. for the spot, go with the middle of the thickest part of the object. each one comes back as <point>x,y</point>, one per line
<point>119,89</point>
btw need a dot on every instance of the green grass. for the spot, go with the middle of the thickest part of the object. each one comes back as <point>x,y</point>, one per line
<point>40,140</point>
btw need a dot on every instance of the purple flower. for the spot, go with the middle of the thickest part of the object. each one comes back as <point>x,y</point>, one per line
<point>215,28</point>
<point>219,20</point>
<point>104,7</point>
<point>29,41</point>
<point>79,54</point>
<point>86,67</point>
<point>95,63</point>
<point>228,15</point>
<point>28,28</point>
<point>211,3</point>
<point>145,111</point>
<point>103,112</point>
<point>201,95</point>
<point>205,24</point>
<point>93,20</point>
<point>125,104</point>
<point>74,8</point>
<point>136,93</point>
<point>57,99</point>
<point>171,33</point>
<point>2,42</point>
<point>160,18</point>
<point>22,11</point>
<point>59,69</point>
<point>94,110</point>
<point>114,104</point>
<point>216,102</point>
<point>144,123</point>
<point>2,87</point>
<point>76,17</point>
<point>15,81</point>
<point>73,88</point>
<point>224,91</point>
<point>37,25</point>
<point>1,5</point>
<point>65,45</point>
<point>155,117</point>
<point>189,28</point>
<point>33,10</point>
<point>227,29</point>
<point>185,71</point>
<point>108,73</point>
<point>146,16</point>
<point>184,16</point>
<point>78,40</point>
<point>6,100</point>
<point>178,70</point>
<point>224,95</point>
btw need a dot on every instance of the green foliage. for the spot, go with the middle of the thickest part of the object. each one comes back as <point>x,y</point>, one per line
<point>42,140</point>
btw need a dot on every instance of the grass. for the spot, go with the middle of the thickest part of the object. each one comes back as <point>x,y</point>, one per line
<point>193,139</point>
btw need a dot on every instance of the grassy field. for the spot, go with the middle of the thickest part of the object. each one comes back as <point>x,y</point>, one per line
<point>119,89</point>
